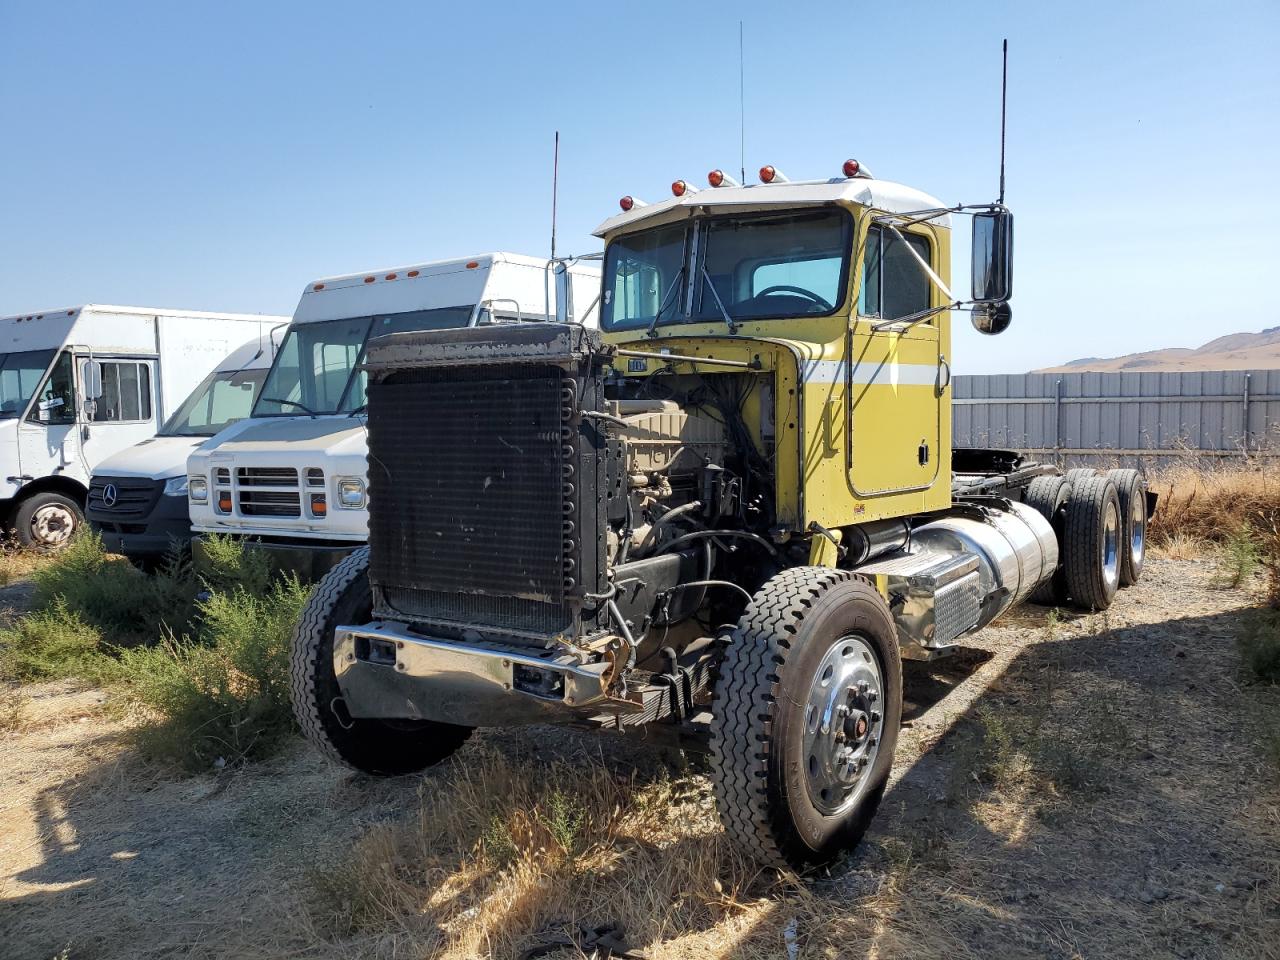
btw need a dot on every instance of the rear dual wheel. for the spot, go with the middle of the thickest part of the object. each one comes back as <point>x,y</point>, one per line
<point>1132,488</point>
<point>1091,542</point>
<point>808,706</point>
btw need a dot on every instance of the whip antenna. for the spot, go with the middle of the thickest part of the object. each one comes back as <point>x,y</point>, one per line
<point>742,113</point>
<point>1004,100</point>
<point>556,186</point>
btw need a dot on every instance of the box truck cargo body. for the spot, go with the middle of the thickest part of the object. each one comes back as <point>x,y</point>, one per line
<point>79,384</point>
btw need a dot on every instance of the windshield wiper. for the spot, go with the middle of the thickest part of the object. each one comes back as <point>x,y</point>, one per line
<point>358,410</point>
<point>662,307</point>
<point>293,403</point>
<point>729,321</point>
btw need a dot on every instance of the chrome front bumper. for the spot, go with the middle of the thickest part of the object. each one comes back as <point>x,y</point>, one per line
<point>387,672</point>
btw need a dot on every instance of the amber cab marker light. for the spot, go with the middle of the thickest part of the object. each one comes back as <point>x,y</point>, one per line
<point>412,273</point>
<point>472,264</point>
<point>317,286</point>
<point>716,178</point>
<point>679,188</point>
<point>368,279</point>
<point>389,276</point>
<point>851,168</point>
<point>768,173</point>
<point>626,203</point>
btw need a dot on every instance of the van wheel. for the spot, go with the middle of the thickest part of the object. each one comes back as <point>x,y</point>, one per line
<point>47,521</point>
<point>1132,487</point>
<point>1092,544</point>
<point>808,704</point>
<point>1049,496</point>
<point>380,747</point>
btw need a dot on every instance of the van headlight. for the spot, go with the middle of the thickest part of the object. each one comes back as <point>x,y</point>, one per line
<point>350,493</point>
<point>197,488</point>
<point>176,486</point>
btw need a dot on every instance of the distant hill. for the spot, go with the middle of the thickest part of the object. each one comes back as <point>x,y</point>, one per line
<point>1235,351</point>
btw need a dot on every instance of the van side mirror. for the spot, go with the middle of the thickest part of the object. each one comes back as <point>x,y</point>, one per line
<point>992,280</point>
<point>91,379</point>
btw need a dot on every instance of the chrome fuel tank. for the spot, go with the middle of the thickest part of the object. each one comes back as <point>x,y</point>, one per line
<point>1016,548</point>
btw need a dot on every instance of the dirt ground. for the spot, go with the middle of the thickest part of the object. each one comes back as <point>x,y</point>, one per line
<point>1093,786</point>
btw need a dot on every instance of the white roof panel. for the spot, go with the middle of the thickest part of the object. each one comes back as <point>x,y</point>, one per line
<point>878,194</point>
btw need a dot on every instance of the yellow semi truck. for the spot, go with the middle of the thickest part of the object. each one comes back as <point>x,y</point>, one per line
<point>731,512</point>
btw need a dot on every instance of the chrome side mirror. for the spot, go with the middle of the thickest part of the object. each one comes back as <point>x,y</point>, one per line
<point>992,277</point>
<point>991,318</point>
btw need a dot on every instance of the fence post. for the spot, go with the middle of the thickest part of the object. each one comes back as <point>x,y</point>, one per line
<point>1245,422</point>
<point>1057,420</point>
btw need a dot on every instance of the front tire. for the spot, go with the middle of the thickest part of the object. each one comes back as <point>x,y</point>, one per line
<point>381,748</point>
<point>808,706</point>
<point>47,521</point>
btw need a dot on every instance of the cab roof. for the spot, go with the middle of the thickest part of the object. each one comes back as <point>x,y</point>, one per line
<point>877,194</point>
<point>138,311</point>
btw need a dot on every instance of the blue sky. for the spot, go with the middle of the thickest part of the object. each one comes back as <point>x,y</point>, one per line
<point>219,156</point>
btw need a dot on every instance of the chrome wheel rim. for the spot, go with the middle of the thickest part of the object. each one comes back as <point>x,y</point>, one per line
<point>843,725</point>
<point>1111,545</point>
<point>1138,524</point>
<point>52,525</point>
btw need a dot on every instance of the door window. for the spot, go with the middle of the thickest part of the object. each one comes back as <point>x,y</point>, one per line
<point>894,284</point>
<point>126,392</point>
<point>56,400</point>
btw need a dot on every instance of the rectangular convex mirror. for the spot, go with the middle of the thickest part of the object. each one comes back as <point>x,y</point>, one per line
<point>91,379</point>
<point>992,256</point>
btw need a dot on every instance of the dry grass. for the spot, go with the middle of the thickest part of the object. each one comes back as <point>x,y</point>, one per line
<point>500,856</point>
<point>19,564</point>
<point>13,710</point>
<point>1209,502</point>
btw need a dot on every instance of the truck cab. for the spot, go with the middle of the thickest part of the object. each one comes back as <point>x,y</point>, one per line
<point>79,384</point>
<point>292,478</point>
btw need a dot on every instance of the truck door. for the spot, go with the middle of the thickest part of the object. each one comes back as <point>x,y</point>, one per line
<point>898,373</point>
<point>124,411</point>
<point>47,439</point>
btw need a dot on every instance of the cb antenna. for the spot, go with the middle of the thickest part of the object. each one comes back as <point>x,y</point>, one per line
<point>742,112</point>
<point>556,184</point>
<point>1004,101</point>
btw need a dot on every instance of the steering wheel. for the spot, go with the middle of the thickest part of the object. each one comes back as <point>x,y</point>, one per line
<point>798,291</point>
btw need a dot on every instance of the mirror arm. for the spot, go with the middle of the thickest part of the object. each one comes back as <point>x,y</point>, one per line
<point>912,319</point>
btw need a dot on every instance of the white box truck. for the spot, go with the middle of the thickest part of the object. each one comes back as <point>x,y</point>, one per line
<point>292,478</point>
<point>138,497</point>
<point>78,384</point>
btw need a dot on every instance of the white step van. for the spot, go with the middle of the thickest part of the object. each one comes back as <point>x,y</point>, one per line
<point>291,479</point>
<point>79,384</point>
<point>138,497</point>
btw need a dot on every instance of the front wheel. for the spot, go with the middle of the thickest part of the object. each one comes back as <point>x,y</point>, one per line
<point>382,748</point>
<point>808,705</point>
<point>47,521</point>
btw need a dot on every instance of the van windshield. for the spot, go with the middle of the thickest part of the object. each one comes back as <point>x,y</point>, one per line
<point>20,374</point>
<point>315,370</point>
<point>224,397</point>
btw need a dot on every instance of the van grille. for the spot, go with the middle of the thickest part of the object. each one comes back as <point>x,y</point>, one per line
<point>133,496</point>
<point>268,492</point>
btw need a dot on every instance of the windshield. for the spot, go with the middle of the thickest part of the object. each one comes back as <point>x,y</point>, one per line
<point>315,368</point>
<point>750,267</point>
<point>224,397</point>
<point>20,374</point>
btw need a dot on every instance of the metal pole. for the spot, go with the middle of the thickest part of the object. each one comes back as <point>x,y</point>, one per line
<point>1245,423</point>
<point>1057,417</point>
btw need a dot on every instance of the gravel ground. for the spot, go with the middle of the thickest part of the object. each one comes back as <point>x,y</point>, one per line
<point>1085,787</point>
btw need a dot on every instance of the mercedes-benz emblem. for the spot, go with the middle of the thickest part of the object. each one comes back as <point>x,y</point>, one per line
<point>109,495</point>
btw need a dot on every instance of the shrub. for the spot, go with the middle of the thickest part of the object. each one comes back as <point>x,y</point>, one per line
<point>1242,555</point>
<point>53,643</point>
<point>225,695</point>
<point>231,566</point>
<point>109,594</point>
<point>1210,501</point>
